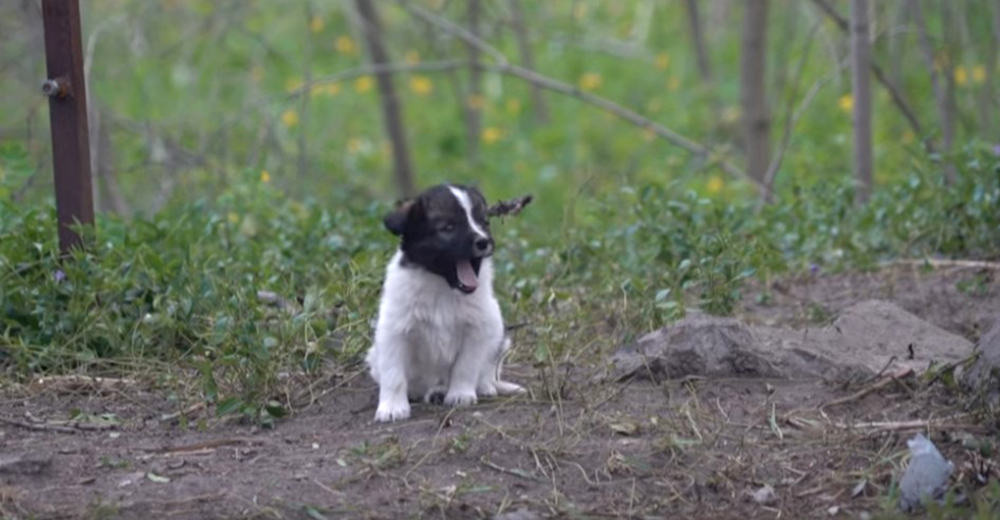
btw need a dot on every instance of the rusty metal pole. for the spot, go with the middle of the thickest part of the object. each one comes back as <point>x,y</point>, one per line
<point>67,93</point>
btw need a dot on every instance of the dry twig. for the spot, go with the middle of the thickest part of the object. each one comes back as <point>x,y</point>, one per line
<point>506,208</point>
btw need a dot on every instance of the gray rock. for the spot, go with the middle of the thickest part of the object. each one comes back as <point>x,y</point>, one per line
<point>983,377</point>
<point>696,345</point>
<point>867,338</point>
<point>926,478</point>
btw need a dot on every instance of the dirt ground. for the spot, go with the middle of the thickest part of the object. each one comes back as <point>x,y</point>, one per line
<point>697,448</point>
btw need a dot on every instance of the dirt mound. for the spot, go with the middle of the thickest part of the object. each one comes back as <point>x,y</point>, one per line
<point>867,338</point>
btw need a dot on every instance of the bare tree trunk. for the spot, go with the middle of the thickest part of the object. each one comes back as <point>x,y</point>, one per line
<point>391,107</point>
<point>753,62</point>
<point>861,85</point>
<point>473,116</point>
<point>307,76</point>
<point>541,109</point>
<point>698,39</point>
<point>940,94</point>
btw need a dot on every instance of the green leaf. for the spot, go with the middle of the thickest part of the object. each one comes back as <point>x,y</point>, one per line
<point>228,406</point>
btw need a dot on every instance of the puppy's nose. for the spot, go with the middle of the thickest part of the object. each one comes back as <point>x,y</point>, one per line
<point>483,244</point>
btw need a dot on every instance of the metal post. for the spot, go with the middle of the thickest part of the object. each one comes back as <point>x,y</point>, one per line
<point>67,93</point>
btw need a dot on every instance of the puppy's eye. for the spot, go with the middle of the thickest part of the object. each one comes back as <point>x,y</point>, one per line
<point>446,228</point>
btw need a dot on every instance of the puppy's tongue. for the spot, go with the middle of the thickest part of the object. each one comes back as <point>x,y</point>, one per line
<point>466,275</point>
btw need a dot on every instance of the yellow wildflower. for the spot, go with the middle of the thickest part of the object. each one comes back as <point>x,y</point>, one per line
<point>978,74</point>
<point>256,73</point>
<point>474,101</point>
<point>345,45</point>
<point>961,76</point>
<point>731,114</point>
<point>673,84</point>
<point>715,184</point>
<point>363,84</point>
<point>293,84</point>
<point>662,61</point>
<point>590,81</point>
<point>290,118</point>
<point>421,85</point>
<point>354,145</point>
<point>265,177</point>
<point>513,106</point>
<point>846,103</point>
<point>232,217</point>
<point>412,57</point>
<point>316,24</point>
<point>491,135</point>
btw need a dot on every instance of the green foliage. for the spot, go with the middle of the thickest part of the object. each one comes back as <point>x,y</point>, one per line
<point>181,288</point>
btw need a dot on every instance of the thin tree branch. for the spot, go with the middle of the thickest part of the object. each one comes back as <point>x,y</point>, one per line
<point>894,93</point>
<point>792,115</point>
<point>502,66</point>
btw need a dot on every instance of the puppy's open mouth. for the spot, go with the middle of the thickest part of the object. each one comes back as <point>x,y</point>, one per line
<point>468,274</point>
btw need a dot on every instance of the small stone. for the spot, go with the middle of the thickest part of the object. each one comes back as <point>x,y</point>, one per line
<point>765,495</point>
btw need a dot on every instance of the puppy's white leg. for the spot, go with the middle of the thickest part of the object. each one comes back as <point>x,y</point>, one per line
<point>465,373</point>
<point>393,404</point>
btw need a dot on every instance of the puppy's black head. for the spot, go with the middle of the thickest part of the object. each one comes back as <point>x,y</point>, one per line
<point>444,230</point>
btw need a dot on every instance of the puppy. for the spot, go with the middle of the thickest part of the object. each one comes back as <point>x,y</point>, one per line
<point>439,329</point>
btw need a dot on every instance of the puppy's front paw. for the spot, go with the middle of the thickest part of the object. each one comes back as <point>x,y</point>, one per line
<point>389,411</point>
<point>486,390</point>
<point>459,398</point>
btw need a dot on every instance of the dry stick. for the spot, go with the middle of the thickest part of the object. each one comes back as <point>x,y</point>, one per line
<point>502,66</point>
<point>897,96</point>
<point>40,427</point>
<point>885,381</point>
<point>962,264</point>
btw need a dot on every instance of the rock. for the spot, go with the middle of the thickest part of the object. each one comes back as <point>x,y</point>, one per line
<point>765,495</point>
<point>983,377</point>
<point>867,338</point>
<point>25,464</point>
<point>926,478</point>
<point>696,345</point>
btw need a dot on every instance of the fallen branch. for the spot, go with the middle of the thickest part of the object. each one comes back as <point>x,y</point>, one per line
<point>506,208</point>
<point>516,472</point>
<point>962,264</point>
<point>882,383</point>
<point>185,412</point>
<point>41,427</point>
<point>198,446</point>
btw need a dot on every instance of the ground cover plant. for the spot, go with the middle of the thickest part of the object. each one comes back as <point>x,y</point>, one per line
<point>227,295</point>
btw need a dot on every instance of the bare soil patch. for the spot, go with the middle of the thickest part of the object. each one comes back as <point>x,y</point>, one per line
<point>674,448</point>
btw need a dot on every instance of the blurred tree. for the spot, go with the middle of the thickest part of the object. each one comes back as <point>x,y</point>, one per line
<point>541,109</point>
<point>698,39</point>
<point>753,94</point>
<point>473,116</point>
<point>391,106</point>
<point>862,94</point>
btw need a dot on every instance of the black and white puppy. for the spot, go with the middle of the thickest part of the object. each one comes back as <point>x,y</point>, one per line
<point>439,328</point>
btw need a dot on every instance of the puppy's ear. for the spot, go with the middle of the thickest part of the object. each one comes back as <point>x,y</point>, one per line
<point>395,222</point>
